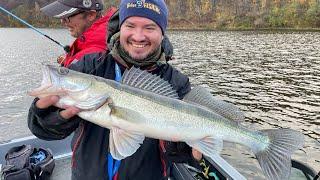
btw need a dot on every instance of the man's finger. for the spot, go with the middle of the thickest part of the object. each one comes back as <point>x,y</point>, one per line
<point>196,154</point>
<point>61,59</point>
<point>45,102</point>
<point>69,112</point>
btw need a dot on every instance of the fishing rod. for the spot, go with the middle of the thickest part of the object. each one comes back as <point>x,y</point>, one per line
<point>65,48</point>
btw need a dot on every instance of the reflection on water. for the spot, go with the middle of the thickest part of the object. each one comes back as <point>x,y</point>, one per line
<point>273,77</point>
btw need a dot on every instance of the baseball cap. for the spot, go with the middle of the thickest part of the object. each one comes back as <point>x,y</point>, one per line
<point>66,8</point>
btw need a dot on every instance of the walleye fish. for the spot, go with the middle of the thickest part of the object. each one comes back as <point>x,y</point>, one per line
<point>144,105</point>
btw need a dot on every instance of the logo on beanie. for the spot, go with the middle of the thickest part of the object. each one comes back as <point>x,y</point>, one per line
<point>87,3</point>
<point>144,4</point>
<point>140,3</point>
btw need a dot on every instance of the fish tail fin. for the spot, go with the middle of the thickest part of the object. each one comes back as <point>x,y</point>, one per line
<point>275,159</point>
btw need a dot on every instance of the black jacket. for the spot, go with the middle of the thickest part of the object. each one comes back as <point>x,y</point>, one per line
<point>90,141</point>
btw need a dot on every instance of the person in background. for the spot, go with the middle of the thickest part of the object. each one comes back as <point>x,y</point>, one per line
<point>142,28</point>
<point>85,22</point>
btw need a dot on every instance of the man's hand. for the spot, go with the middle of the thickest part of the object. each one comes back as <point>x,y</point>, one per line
<point>180,152</point>
<point>61,59</point>
<point>45,102</point>
<point>196,154</point>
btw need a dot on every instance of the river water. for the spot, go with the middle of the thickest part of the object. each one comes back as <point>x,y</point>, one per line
<point>273,77</point>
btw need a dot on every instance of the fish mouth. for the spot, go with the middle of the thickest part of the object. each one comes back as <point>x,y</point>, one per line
<point>46,84</point>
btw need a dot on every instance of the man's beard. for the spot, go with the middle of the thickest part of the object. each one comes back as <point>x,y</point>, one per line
<point>141,59</point>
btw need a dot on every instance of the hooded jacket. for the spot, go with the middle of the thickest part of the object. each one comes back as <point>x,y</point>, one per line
<point>93,40</point>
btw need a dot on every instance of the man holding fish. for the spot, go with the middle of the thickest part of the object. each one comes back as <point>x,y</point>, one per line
<point>151,102</point>
<point>143,24</point>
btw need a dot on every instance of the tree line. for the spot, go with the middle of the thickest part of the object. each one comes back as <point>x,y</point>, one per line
<point>197,14</point>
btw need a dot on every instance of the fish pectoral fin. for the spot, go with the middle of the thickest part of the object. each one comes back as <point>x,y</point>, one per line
<point>92,102</point>
<point>123,143</point>
<point>208,146</point>
<point>127,114</point>
<point>100,116</point>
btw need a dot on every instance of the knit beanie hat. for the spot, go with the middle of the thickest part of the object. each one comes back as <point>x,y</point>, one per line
<point>156,10</point>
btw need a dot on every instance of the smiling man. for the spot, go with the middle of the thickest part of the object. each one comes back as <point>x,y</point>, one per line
<point>85,22</point>
<point>142,43</point>
<point>143,25</point>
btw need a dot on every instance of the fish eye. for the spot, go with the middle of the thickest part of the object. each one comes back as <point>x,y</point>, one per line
<point>63,71</point>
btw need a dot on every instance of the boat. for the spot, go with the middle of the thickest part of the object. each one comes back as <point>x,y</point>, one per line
<point>219,168</point>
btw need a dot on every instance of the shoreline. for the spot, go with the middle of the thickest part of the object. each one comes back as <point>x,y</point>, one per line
<point>214,29</point>
<point>249,29</point>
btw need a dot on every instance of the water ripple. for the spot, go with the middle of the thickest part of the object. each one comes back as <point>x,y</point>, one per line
<point>273,77</point>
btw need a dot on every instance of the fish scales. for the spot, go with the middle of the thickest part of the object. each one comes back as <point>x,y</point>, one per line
<point>168,114</point>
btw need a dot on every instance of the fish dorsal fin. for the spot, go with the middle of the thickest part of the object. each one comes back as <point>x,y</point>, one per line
<point>201,96</point>
<point>144,80</point>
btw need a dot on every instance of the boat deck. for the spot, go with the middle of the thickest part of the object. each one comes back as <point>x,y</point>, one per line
<point>62,169</point>
<point>62,153</point>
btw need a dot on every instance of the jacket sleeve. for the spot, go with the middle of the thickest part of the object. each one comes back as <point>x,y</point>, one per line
<point>47,123</point>
<point>93,63</point>
<point>184,86</point>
